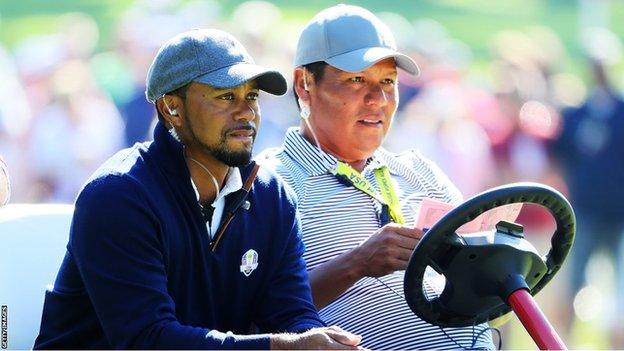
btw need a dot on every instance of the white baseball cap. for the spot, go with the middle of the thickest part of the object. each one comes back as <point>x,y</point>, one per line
<point>349,38</point>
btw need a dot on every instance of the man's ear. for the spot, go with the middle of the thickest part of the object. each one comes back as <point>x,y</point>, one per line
<point>169,107</point>
<point>303,81</point>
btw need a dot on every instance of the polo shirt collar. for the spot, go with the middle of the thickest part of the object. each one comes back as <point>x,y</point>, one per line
<point>233,182</point>
<point>313,160</point>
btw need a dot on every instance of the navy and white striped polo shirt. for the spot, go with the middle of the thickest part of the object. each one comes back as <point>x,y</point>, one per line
<point>336,218</point>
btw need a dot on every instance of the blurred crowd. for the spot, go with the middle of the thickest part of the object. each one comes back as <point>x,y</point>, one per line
<point>67,103</point>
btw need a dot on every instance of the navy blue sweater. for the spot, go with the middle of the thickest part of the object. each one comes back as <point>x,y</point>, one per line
<point>139,273</point>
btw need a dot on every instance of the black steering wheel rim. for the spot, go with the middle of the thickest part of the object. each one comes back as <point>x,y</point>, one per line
<point>433,311</point>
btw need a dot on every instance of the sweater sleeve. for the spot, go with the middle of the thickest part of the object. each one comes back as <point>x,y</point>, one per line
<point>119,253</point>
<point>287,304</point>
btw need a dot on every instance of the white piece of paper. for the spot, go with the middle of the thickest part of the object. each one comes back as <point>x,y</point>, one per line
<point>430,211</point>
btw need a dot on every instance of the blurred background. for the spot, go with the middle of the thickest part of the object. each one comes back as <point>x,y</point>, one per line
<point>520,90</point>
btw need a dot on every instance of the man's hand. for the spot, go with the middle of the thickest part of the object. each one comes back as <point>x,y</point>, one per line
<point>330,338</point>
<point>387,250</point>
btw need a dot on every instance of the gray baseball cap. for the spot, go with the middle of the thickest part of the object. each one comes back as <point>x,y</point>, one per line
<point>349,38</point>
<point>208,56</point>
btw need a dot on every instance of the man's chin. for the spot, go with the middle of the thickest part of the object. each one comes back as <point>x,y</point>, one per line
<point>235,158</point>
<point>231,154</point>
<point>238,145</point>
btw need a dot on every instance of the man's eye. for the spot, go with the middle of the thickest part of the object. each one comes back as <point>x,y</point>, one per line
<point>252,96</point>
<point>388,81</point>
<point>228,96</point>
<point>357,79</point>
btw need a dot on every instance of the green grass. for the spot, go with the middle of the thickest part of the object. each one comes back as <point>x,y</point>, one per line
<point>473,22</point>
<point>23,18</point>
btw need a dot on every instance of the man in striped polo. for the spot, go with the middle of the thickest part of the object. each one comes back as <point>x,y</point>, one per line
<point>356,199</point>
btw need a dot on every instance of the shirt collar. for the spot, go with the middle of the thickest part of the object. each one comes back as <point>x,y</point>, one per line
<point>169,152</point>
<point>313,160</point>
<point>233,182</point>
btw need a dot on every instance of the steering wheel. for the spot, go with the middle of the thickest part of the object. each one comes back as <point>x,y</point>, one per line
<point>482,270</point>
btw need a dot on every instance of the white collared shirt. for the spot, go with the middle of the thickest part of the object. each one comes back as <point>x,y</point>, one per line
<point>233,182</point>
<point>336,218</point>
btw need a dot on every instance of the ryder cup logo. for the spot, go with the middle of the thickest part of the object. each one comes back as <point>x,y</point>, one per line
<point>249,262</point>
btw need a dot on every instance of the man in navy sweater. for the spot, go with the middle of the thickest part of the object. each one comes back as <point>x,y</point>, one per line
<point>183,243</point>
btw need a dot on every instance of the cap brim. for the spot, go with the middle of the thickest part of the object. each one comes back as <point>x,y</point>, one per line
<point>268,80</point>
<point>361,59</point>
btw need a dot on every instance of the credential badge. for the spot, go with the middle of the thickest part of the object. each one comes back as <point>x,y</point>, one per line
<point>249,262</point>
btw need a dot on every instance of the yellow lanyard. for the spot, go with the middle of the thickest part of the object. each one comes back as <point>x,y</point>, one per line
<point>388,196</point>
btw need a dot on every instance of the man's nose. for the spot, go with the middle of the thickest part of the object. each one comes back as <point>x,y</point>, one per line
<point>376,95</point>
<point>246,112</point>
